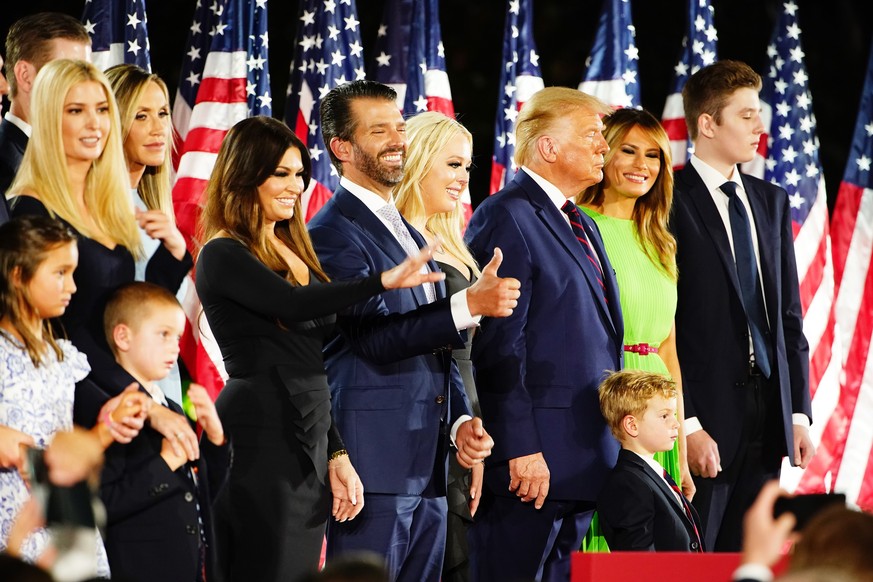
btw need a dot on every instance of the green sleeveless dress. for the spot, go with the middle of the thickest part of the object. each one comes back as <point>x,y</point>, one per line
<point>648,306</point>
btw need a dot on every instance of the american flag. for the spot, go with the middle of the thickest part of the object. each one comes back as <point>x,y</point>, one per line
<point>698,50</point>
<point>791,160</point>
<point>225,78</point>
<point>519,80</point>
<point>119,32</point>
<point>410,57</point>
<point>327,53</point>
<point>611,69</point>
<point>847,441</point>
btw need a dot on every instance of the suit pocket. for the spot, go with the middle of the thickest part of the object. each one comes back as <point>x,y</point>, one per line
<point>551,396</point>
<point>381,398</point>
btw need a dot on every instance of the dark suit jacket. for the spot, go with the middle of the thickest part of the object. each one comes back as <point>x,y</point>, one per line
<point>152,531</point>
<point>13,142</point>
<point>394,398</point>
<point>711,330</point>
<point>537,371</point>
<point>639,512</point>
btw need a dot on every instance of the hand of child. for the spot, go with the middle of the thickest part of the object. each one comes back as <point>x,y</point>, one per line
<point>207,416</point>
<point>12,446</point>
<point>168,453</point>
<point>126,413</point>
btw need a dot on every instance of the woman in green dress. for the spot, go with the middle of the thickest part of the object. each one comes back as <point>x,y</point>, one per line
<point>631,207</point>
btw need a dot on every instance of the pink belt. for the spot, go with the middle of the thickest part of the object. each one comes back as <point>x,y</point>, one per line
<point>641,349</point>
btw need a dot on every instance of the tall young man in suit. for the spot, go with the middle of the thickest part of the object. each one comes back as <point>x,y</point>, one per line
<point>739,327</point>
<point>537,371</point>
<point>641,508</point>
<point>398,398</point>
<point>32,42</point>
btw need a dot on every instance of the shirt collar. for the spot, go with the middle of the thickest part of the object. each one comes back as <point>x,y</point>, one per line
<point>555,195</point>
<point>712,178</point>
<point>656,467</point>
<point>369,198</point>
<point>19,123</point>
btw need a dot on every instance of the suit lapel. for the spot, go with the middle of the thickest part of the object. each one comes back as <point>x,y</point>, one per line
<point>660,484</point>
<point>371,227</point>
<point>551,217</point>
<point>765,250</point>
<point>700,199</point>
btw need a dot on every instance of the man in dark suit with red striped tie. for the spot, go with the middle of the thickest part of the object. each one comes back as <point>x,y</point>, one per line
<point>537,371</point>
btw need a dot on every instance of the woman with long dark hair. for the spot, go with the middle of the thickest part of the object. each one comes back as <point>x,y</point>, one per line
<point>270,306</point>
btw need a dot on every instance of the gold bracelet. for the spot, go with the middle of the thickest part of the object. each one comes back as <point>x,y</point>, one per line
<point>336,455</point>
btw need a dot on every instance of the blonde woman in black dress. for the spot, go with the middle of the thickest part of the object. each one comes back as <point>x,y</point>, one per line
<point>438,163</point>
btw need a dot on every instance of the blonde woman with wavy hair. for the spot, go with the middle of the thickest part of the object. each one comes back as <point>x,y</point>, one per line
<point>74,169</point>
<point>437,173</point>
<point>631,207</point>
<point>146,131</point>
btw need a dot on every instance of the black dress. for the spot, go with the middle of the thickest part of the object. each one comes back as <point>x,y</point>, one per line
<point>100,272</point>
<point>271,513</point>
<point>456,566</point>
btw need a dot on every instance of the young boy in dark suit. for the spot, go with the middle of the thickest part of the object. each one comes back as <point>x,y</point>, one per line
<point>640,507</point>
<point>157,504</point>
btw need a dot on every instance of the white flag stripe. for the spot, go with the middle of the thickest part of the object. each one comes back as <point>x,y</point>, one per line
<point>855,275</point>
<point>436,84</point>
<point>527,85</point>
<point>196,165</point>
<point>607,91</point>
<point>860,438</point>
<point>226,65</point>
<point>808,239</point>
<point>217,116</point>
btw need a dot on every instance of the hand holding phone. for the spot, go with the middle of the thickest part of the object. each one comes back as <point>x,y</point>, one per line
<point>805,507</point>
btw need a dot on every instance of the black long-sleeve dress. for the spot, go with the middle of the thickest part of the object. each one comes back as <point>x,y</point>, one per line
<point>100,272</point>
<point>271,513</point>
<point>456,567</point>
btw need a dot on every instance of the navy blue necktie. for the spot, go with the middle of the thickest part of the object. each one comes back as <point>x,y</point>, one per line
<point>750,280</point>
<point>575,217</point>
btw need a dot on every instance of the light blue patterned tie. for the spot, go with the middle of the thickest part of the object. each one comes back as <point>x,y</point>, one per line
<point>389,212</point>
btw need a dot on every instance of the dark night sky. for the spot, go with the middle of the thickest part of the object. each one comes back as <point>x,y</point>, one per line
<point>836,39</point>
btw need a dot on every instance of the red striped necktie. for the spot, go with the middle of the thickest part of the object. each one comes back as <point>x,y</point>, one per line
<point>579,231</point>
<point>685,506</point>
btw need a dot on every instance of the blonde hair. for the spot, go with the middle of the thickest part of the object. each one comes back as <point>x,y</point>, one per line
<point>129,82</point>
<point>652,210</point>
<point>628,393</point>
<point>428,134</point>
<point>540,113</point>
<point>44,167</point>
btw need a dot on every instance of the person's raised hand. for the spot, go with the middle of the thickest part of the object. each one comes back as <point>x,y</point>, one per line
<point>409,272</point>
<point>491,295</point>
